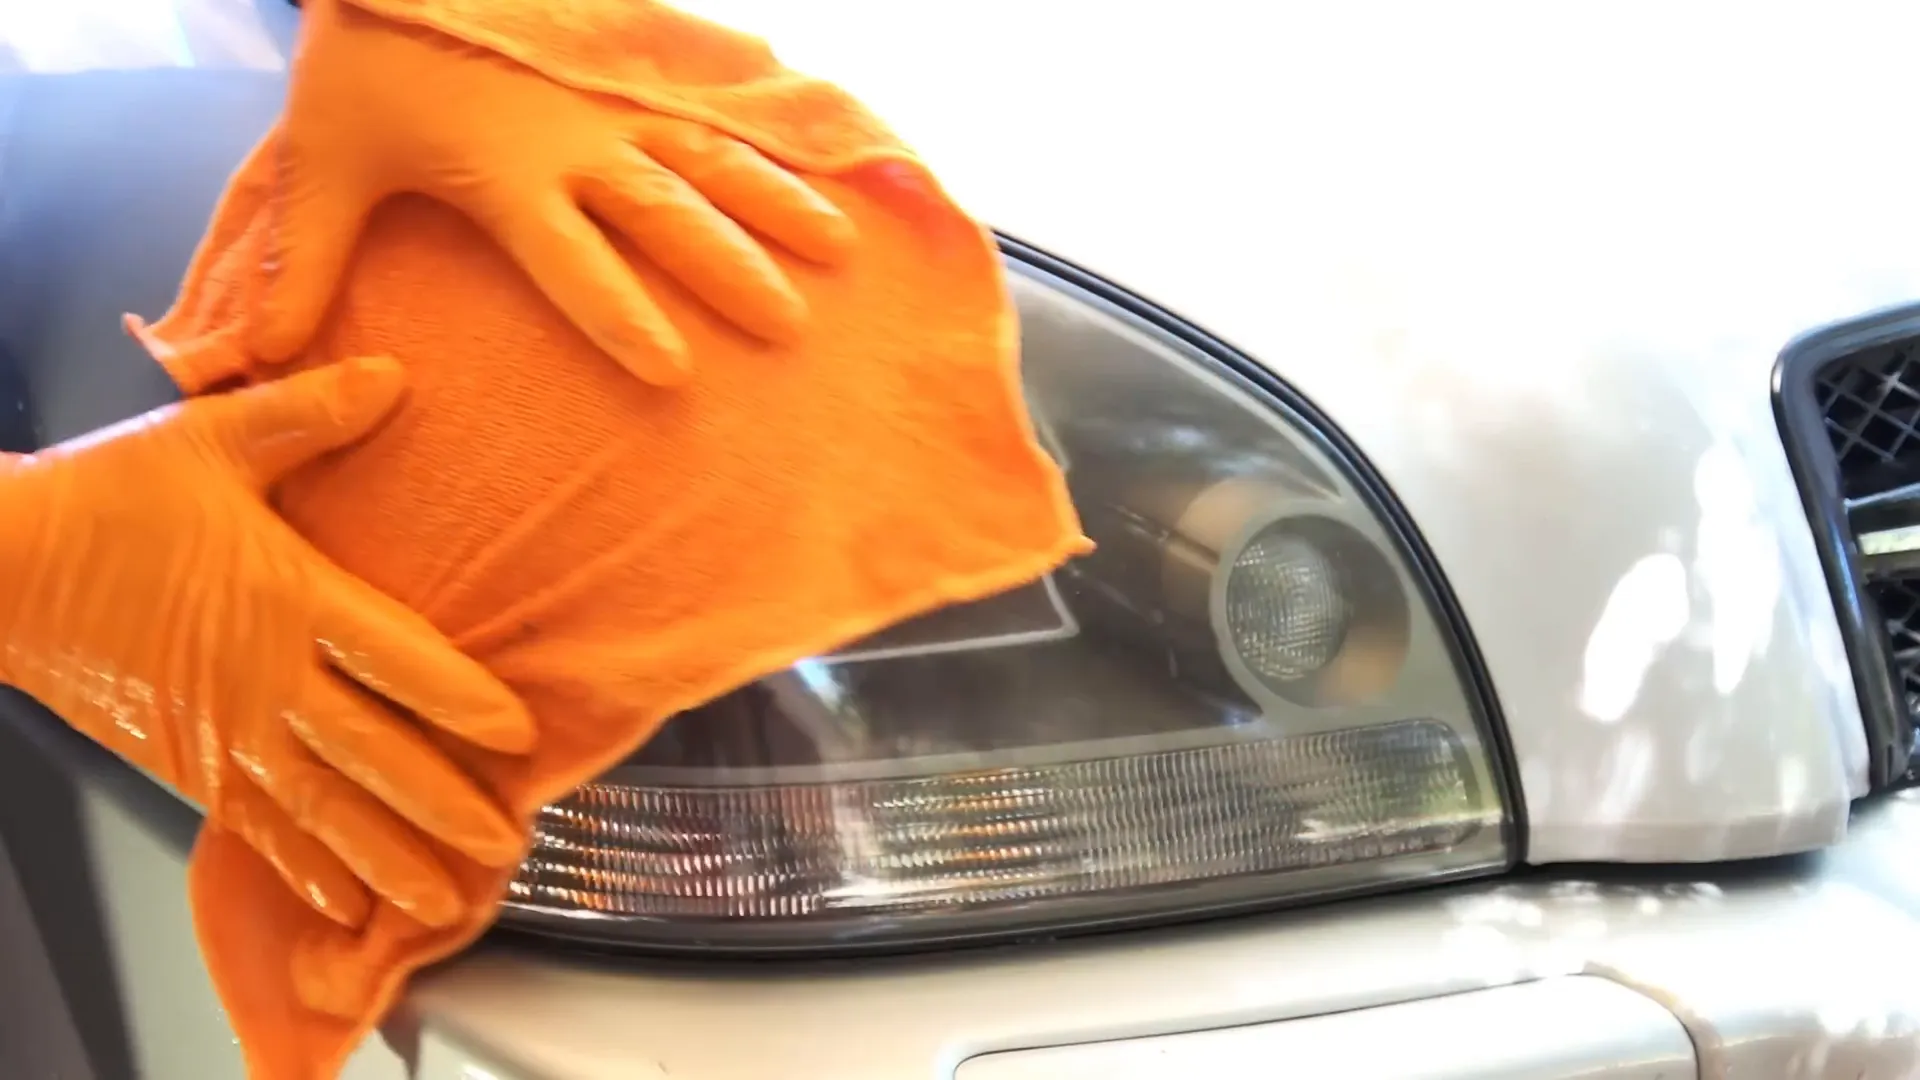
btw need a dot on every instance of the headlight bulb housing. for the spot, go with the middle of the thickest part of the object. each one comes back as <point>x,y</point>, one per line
<point>1253,691</point>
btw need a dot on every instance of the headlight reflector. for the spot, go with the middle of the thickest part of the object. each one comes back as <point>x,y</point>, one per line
<point>1246,693</point>
<point>1287,606</point>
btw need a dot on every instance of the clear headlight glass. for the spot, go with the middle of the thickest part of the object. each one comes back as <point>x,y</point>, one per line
<point>1246,694</point>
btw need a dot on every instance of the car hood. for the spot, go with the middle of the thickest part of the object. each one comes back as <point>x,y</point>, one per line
<point>1524,180</point>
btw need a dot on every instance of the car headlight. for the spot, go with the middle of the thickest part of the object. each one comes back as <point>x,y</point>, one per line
<point>1251,691</point>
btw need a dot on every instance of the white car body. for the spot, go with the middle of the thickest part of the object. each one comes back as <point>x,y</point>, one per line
<point>1537,261</point>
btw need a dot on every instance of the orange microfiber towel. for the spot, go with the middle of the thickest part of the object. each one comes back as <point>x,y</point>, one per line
<point>618,553</point>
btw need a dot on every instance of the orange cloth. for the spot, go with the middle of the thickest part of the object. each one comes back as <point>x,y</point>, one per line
<point>377,107</point>
<point>617,553</point>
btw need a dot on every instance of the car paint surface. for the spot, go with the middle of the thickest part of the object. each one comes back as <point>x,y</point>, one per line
<point>1536,260</point>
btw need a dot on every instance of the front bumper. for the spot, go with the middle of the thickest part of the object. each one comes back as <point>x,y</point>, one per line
<point>1791,968</point>
<point>1786,968</point>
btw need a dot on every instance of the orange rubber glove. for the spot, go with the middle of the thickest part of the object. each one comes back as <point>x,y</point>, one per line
<point>378,107</point>
<point>150,597</point>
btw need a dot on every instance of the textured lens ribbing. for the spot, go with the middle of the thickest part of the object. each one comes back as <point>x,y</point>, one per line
<point>1006,835</point>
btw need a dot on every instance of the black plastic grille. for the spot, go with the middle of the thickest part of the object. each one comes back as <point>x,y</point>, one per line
<point>1869,404</point>
<point>1899,603</point>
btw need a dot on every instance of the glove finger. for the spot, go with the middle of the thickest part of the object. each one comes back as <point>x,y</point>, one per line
<point>316,220</point>
<point>754,190</point>
<point>673,225</point>
<point>362,739</point>
<point>314,873</point>
<point>570,260</point>
<point>271,429</point>
<point>382,850</point>
<point>339,973</point>
<point>393,651</point>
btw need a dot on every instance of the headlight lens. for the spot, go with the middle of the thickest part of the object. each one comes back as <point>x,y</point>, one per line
<point>1245,694</point>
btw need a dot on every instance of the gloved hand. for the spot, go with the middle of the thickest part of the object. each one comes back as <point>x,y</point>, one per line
<point>150,597</point>
<point>377,107</point>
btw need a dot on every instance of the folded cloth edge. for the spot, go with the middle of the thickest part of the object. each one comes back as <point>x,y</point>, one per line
<point>775,144</point>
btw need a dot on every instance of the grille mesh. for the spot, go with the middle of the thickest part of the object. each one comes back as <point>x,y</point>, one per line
<point>1899,603</point>
<point>1870,405</point>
